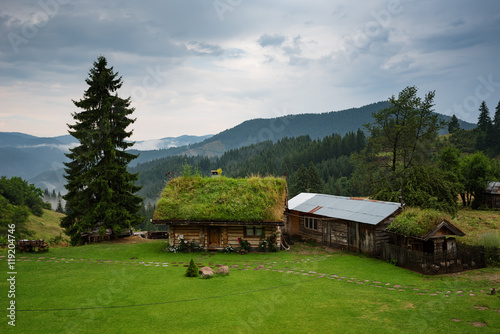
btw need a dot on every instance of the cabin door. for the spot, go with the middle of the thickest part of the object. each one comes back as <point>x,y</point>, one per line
<point>214,235</point>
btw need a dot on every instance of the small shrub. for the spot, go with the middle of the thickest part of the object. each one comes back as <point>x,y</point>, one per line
<point>394,262</point>
<point>57,240</point>
<point>263,242</point>
<point>271,243</point>
<point>192,245</point>
<point>263,246</point>
<point>173,249</point>
<point>182,244</point>
<point>244,246</point>
<point>192,270</point>
<point>228,249</point>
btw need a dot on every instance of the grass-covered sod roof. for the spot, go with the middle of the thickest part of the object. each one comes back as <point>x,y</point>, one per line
<point>414,222</point>
<point>196,198</point>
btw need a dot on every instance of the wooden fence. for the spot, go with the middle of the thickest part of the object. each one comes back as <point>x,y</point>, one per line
<point>465,258</point>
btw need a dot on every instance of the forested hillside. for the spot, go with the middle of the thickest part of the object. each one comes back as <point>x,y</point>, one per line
<point>415,166</point>
<point>254,131</point>
<point>326,162</point>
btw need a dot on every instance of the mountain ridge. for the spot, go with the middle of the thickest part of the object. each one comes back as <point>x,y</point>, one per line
<point>40,159</point>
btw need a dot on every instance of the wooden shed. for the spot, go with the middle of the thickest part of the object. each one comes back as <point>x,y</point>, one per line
<point>491,196</point>
<point>215,212</point>
<point>354,224</point>
<point>425,241</point>
<point>425,231</point>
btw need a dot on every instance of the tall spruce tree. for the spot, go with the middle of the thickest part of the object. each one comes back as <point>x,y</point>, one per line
<point>453,125</point>
<point>100,189</point>
<point>484,119</point>
<point>484,138</point>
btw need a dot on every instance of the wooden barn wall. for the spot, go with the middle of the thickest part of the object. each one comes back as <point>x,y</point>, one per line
<point>354,236</point>
<point>292,223</point>
<point>382,236</point>
<point>338,233</point>
<point>491,201</point>
<point>310,234</point>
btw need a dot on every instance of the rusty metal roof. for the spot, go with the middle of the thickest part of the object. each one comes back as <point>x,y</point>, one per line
<point>493,188</point>
<point>354,209</point>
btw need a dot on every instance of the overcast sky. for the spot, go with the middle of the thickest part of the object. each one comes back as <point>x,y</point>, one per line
<point>200,67</point>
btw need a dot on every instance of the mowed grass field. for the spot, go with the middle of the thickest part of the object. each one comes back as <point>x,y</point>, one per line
<point>136,287</point>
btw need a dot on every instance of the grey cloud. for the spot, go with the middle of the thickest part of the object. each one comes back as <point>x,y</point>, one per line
<point>205,49</point>
<point>271,40</point>
<point>293,49</point>
<point>461,37</point>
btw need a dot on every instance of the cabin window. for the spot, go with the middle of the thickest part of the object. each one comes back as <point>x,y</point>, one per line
<point>251,231</point>
<point>311,223</point>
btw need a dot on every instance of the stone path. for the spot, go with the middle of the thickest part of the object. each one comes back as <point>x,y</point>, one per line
<point>266,266</point>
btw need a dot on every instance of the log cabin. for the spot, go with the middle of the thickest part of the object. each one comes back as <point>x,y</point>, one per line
<point>214,212</point>
<point>354,224</point>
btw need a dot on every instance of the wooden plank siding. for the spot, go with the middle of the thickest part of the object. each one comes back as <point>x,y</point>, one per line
<point>292,224</point>
<point>343,234</point>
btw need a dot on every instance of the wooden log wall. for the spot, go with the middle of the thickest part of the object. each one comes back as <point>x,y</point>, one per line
<point>229,235</point>
<point>190,233</point>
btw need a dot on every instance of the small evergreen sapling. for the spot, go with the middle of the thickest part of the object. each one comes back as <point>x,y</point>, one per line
<point>192,270</point>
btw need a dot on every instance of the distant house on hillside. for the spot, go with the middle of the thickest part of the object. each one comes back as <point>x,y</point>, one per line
<point>215,212</point>
<point>491,196</point>
<point>354,224</point>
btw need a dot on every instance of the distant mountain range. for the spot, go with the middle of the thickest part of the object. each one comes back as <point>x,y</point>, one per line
<point>40,160</point>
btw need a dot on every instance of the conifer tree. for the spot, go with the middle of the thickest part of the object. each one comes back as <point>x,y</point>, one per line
<point>496,118</point>
<point>315,184</point>
<point>59,207</point>
<point>192,270</point>
<point>484,120</point>
<point>453,125</point>
<point>100,189</point>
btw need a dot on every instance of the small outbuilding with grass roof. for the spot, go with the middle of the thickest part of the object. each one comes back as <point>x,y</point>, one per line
<point>425,231</point>
<point>213,212</point>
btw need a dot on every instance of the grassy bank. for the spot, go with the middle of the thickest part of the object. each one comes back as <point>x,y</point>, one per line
<point>479,225</point>
<point>47,226</point>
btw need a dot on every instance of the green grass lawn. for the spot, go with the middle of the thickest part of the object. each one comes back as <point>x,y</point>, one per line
<point>138,288</point>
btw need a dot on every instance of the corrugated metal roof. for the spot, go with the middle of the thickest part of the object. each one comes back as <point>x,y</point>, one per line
<point>353,209</point>
<point>493,188</point>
